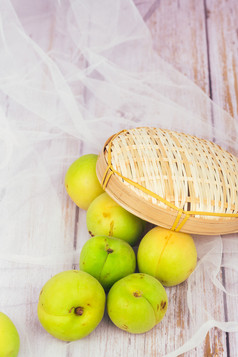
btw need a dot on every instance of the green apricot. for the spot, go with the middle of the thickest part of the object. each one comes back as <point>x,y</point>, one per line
<point>71,305</point>
<point>9,337</point>
<point>167,255</point>
<point>137,303</point>
<point>108,259</point>
<point>81,181</point>
<point>106,217</point>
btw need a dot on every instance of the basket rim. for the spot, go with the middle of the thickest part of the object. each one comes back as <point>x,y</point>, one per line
<point>182,215</point>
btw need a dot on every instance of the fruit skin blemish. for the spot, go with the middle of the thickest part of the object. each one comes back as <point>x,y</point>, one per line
<point>108,259</point>
<point>106,217</point>
<point>137,303</point>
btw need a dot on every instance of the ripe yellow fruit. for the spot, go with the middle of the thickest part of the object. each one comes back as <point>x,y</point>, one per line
<point>9,337</point>
<point>167,255</point>
<point>81,181</point>
<point>106,217</point>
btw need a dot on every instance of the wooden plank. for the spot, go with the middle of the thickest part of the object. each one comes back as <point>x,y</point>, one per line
<point>47,231</point>
<point>171,332</point>
<point>146,7</point>
<point>190,57</point>
<point>179,33</point>
<point>223,43</point>
<point>230,276</point>
<point>179,37</point>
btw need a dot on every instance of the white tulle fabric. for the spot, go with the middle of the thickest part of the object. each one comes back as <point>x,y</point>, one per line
<point>87,81</point>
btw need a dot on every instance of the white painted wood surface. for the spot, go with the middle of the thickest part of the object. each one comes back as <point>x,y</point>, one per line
<point>200,39</point>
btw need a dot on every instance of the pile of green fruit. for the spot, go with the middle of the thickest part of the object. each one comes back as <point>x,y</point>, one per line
<point>72,303</point>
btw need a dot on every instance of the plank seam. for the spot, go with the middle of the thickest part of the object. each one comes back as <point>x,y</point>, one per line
<point>151,10</point>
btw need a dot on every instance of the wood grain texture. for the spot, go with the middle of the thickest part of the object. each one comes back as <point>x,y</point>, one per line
<point>179,36</point>
<point>223,52</point>
<point>222,31</point>
<point>29,278</point>
<point>146,7</point>
<point>200,40</point>
<point>202,45</point>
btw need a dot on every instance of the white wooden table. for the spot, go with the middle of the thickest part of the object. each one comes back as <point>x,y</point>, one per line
<point>199,38</point>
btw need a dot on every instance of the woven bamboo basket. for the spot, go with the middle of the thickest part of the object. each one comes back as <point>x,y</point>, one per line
<point>171,179</point>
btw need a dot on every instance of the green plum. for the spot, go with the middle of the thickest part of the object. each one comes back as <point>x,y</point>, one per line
<point>81,181</point>
<point>106,217</point>
<point>71,305</point>
<point>137,303</point>
<point>167,255</point>
<point>108,259</point>
<point>9,337</point>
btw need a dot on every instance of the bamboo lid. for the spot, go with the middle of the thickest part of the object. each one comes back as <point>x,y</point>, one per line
<point>172,180</point>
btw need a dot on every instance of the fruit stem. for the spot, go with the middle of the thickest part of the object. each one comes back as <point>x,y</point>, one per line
<point>137,294</point>
<point>78,310</point>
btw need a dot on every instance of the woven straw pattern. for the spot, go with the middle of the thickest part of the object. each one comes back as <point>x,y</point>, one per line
<point>192,174</point>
